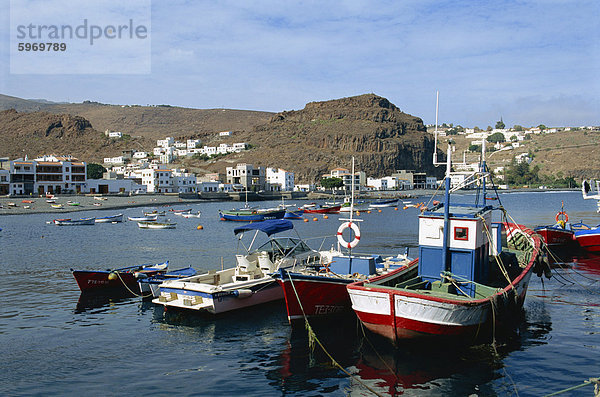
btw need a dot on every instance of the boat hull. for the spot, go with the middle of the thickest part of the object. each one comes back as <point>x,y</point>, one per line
<point>123,280</point>
<point>324,210</point>
<point>403,315</point>
<point>554,236</point>
<point>589,240</point>
<point>96,281</point>
<point>320,296</point>
<point>251,216</point>
<point>110,219</point>
<point>190,298</point>
<point>75,222</point>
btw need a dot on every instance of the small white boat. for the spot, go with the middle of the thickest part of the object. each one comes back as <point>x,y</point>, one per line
<point>110,219</point>
<point>74,222</point>
<point>155,213</point>
<point>100,198</point>
<point>73,203</point>
<point>147,218</point>
<point>191,215</point>
<point>157,225</point>
<point>247,284</point>
<point>56,206</point>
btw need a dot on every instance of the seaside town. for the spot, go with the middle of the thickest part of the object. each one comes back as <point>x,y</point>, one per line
<point>139,172</point>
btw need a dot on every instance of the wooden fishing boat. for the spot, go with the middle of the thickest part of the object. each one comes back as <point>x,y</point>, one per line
<point>252,214</point>
<point>318,291</point>
<point>383,203</point>
<point>74,222</point>
<point>248,283</point>
<point>110,219</point>
<point>324,209</point>
<point>146,218</point>
<point>116,280</point>
<point>471,276</point>
<point>157,225</point>
<point>561,234</point>
<point>587,237</point>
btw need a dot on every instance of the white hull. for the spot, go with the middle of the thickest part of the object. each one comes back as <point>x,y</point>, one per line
<point>211,297</point>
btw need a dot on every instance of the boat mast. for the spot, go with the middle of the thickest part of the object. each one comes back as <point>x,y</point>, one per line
<point>482,169</point>
<point>435,133</point>
<point>447,212</point>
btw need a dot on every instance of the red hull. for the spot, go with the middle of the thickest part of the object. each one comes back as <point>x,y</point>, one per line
<point>589,242</point>
<point>99,280</point>
<point>555,236</point>
<point>320,297</point>
<point>327,210</point>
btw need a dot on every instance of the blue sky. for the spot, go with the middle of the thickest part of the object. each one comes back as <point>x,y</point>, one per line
<point>529,62</point>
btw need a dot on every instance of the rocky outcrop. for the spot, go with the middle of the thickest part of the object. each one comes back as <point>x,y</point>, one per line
<point>325,135</point>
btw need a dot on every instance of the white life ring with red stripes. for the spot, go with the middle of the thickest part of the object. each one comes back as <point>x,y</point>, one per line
<point>356,231</point>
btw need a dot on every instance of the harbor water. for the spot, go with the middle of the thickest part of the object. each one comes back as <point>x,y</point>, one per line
<point>55,342</point>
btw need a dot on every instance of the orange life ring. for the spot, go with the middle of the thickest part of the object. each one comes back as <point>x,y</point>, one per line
<point>565,216</point>
<point>356,231</point>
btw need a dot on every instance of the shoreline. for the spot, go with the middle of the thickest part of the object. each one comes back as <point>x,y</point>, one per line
<point>40,205</point>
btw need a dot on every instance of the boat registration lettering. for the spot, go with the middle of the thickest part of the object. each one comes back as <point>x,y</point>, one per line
<point>327,309</point>
<point>95,282</point>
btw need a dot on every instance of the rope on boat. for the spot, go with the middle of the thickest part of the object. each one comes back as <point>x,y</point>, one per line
<point>590,381</point>
<point>128,289</point>
<point>312,338</point>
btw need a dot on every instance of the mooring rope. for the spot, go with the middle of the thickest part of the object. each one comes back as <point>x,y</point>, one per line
<point>127,287</point>
<point>590,381</point>
<point>312,337</point>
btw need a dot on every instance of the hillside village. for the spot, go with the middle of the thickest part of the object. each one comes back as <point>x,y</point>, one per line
<point>140,172</point>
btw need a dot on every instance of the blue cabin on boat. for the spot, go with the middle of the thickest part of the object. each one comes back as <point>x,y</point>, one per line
<point>466,251</point>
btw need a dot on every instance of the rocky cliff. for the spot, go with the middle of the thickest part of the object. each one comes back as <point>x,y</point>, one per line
<point>325,135</point>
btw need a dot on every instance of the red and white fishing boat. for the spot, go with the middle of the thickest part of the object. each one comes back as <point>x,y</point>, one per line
<point>319,291</point>
<point>465,280</point>
<point>324,209</point>
<point>561,234</point>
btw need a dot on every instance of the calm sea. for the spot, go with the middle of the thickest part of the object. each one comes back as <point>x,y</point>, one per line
<point>53,343</point>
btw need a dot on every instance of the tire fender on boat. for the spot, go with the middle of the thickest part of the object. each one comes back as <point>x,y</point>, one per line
<point>356,231</point>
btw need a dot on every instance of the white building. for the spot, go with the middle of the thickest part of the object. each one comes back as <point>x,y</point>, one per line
<point>304,188</point>
<point>165,143</point>
<point>282,178</point>
<point>157,180</point>
<point>225,133</point>
<point>193,143</point>
<point>184,182</point>
<point>140,155</point>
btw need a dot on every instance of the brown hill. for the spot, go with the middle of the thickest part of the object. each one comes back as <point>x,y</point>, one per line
<point>325,135</point>
<point>158,122</point>
<point>38,133</point>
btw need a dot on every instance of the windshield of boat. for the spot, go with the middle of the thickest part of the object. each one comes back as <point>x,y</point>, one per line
<point>286,246</point>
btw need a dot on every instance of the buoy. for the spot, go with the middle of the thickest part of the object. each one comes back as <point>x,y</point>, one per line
<point>112,276</point>
<point>315,219</point>
<point>200,227</point>
<point>325,217</point>
<point>357,212</point>
<point>305,220</point>
<point>369,211</point>
<point>395,208</point>
<point>378,210</point>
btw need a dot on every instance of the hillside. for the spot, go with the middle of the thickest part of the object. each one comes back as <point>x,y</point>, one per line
<point>567,153</point>
<point>325,135</point>
<point>37,133</point>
